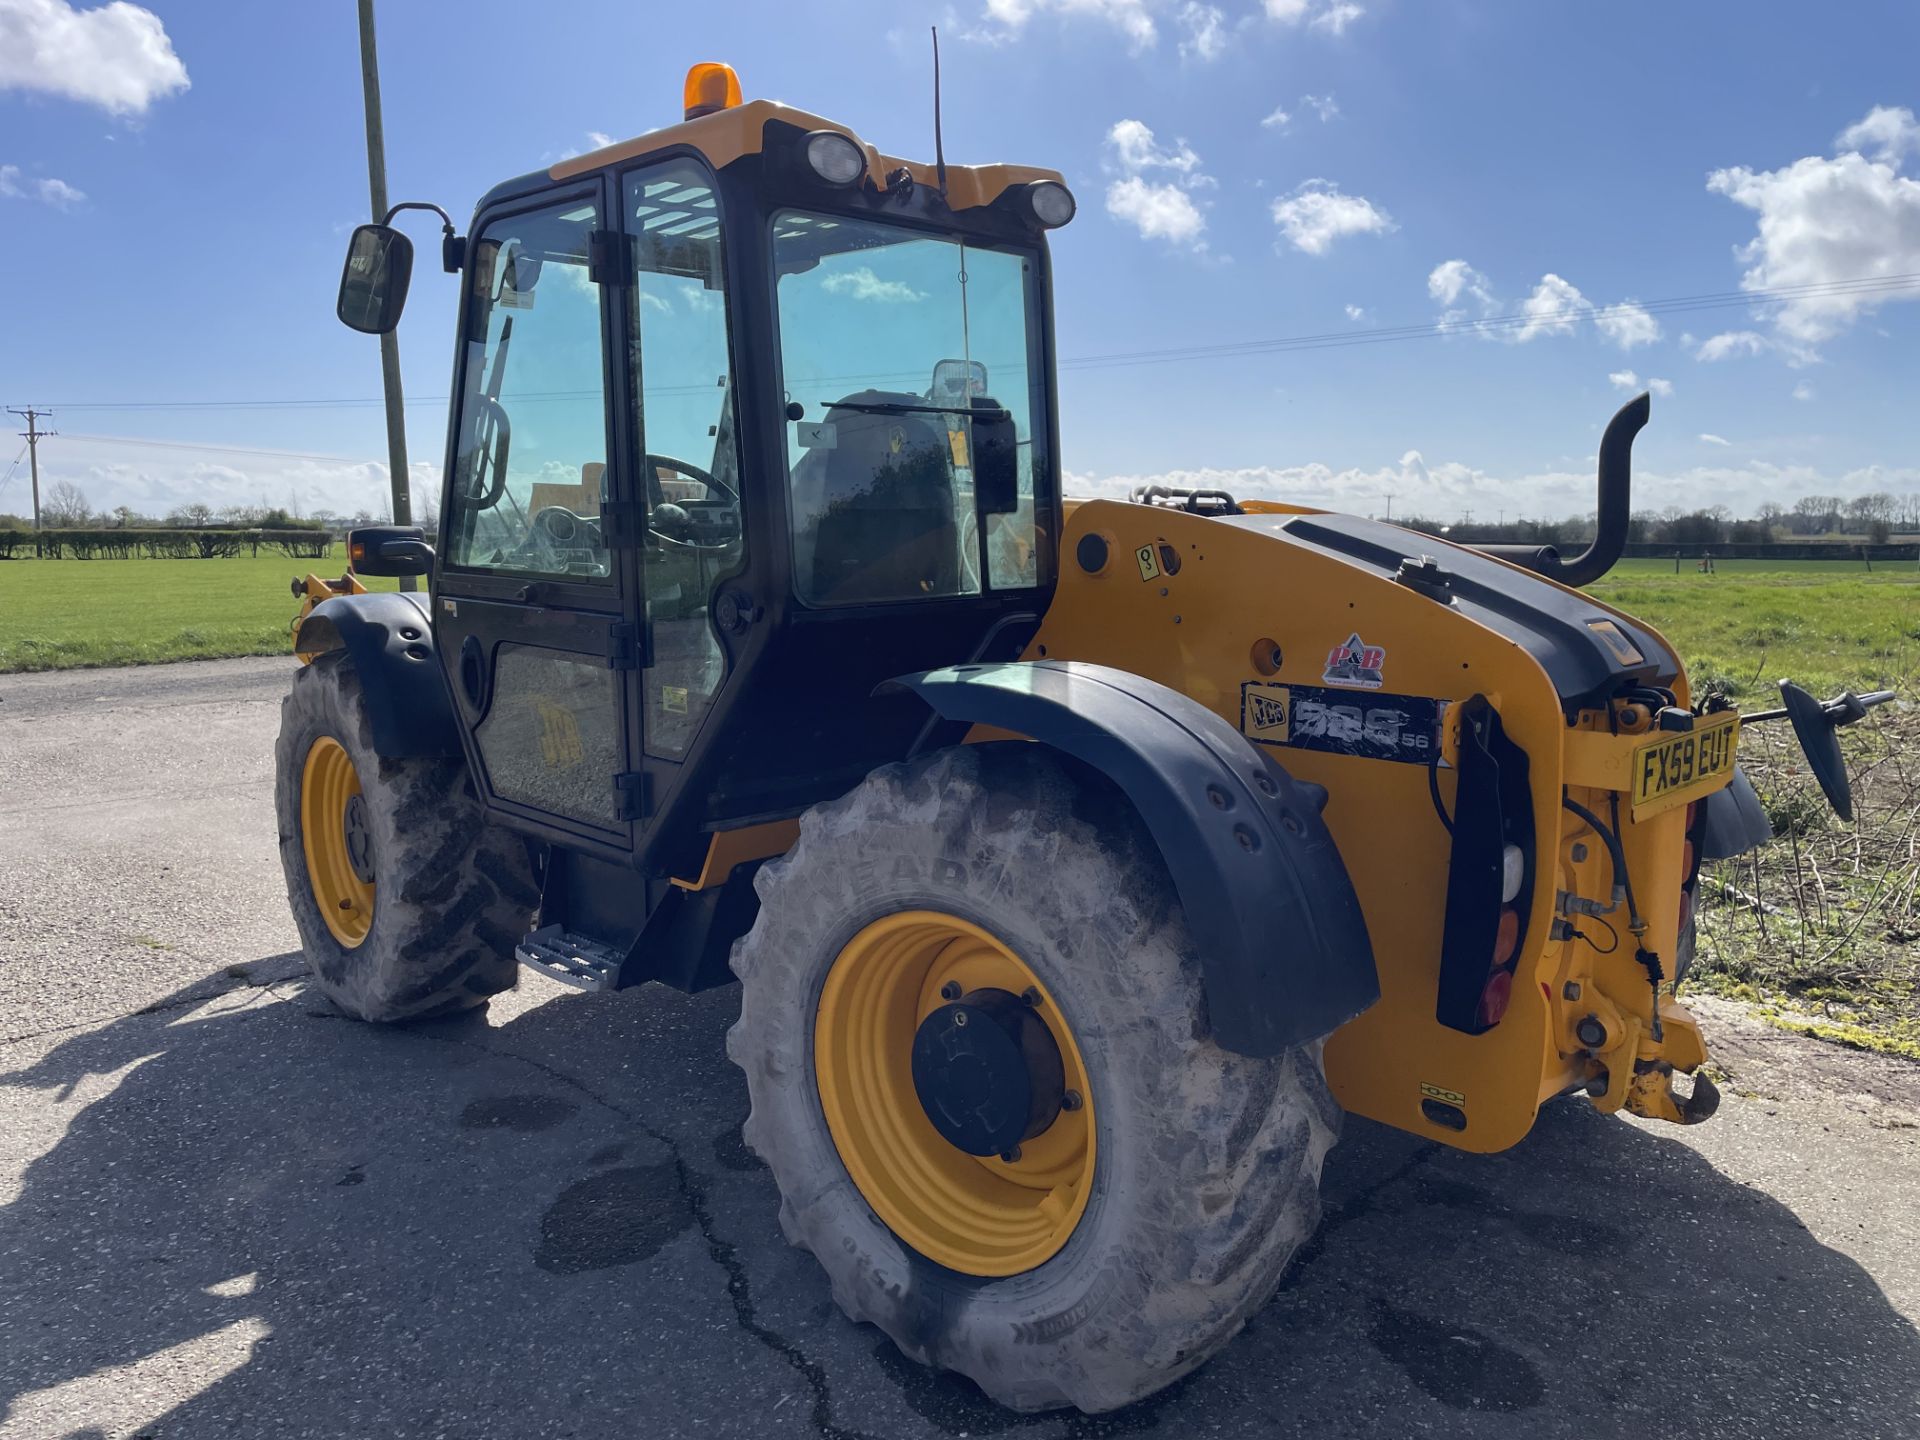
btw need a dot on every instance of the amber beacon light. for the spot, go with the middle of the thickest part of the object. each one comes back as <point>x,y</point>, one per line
<point>711,86</point>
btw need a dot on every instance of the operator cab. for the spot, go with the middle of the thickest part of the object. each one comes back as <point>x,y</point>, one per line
<point>750,419</point>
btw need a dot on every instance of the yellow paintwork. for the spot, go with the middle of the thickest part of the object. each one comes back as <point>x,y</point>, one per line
<point>1200,630</point>
<point>978,1215</point>
<point>319,588</point>
<point>327,781</point>
<point>729,848</point>
<point>726,135</point>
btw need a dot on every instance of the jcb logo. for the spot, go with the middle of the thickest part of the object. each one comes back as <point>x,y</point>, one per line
<point>1265,712</point>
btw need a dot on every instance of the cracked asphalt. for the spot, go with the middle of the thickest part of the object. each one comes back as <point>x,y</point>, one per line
<point>225,1211</point>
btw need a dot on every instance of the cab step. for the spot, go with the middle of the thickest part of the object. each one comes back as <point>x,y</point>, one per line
<point>577,960</point>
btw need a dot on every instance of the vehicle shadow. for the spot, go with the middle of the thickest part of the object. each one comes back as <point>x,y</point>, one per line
<point>247,1215</point>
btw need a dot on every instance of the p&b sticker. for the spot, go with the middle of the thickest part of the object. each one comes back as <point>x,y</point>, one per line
<point>1370,727</point>
<point>1355,663</point>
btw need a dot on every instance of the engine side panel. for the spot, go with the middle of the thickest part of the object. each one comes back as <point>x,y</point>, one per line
<point>1362,687</point>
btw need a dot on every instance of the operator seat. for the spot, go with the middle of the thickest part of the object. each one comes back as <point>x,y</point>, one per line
<point>875,514</point>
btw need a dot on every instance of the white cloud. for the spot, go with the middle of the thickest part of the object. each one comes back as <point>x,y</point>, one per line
<point>1627,325</point>
<point>1336,17</point>
<point>599,139</point>
<point>1731,343</point>
<point>1822,221</point>
<point>1158,212</point>
<point>115,56</point>
<point>1358,314</point>
<point>1316,214</point>
<point>1325,106</point>
<point>1444,490</point>
<point>1206,31</point>
<point>1555,307</point>
<point>1662,388</point>
<point>1331,17</point>
<point>57,193</point>
<point>1135,149</point>
<point>1132,18</point>
<point>1803,391</point>
<point>863,284</point>
<point>1278,120</point>
<point>1451,278</point>
<point>1707,439</point>
<point>1624,380</point>
<point>1163,209</point>
<point>1886,133</point>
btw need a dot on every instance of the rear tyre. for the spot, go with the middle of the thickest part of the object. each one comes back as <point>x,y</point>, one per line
<point>1104,1261</point>
<point>408,903</point>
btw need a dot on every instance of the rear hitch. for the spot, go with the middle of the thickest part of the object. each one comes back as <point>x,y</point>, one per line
<point>1651,1095</point>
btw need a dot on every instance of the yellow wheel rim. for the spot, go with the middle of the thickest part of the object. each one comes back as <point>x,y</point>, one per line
<point>978,1215</point>
<point>333,831</point>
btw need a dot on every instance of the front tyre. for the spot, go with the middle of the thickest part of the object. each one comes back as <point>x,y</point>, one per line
<point>1155,1185</point>
<point>408,903</point>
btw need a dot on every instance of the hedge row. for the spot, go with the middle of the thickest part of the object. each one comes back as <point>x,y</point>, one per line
<point>125,544</point>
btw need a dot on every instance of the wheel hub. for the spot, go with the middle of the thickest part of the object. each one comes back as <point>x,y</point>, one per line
<point>358,833</point>
<point>987,1072</point>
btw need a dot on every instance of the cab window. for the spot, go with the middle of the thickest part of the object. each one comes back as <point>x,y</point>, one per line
<point>683,379</point>
<point>911,379</point>
<point>529,468</point>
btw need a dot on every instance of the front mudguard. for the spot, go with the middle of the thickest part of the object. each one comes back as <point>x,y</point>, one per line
<point>390,640</point>
<point>1283,945</point>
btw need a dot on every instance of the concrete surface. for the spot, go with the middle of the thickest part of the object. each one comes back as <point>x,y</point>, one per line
<point>227,1212</point>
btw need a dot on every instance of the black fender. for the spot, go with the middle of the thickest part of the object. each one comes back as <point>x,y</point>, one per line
<point>1283,945</point>
<point>1735,821</point>
<point>390,639</point>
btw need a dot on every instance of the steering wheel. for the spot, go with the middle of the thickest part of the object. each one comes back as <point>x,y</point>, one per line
<point>670,514</point>
<point>657,463</point>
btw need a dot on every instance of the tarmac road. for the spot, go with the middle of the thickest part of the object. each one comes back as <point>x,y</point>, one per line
<point>224,1211</point>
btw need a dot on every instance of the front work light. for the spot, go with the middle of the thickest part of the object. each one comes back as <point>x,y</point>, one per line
<point>835,158</point>
<point>1052,203</point>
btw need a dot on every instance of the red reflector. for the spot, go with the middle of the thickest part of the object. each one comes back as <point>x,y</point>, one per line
<point>1493,999</point>
<point>1693,814</point>
<point>1505,938</point>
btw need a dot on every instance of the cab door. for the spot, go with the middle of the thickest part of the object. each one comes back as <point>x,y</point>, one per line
<point>535,611</point>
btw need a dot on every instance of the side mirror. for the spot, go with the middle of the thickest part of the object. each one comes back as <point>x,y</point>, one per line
<point>373,286</point>
<point>996,459</point>
<point>389,550</point>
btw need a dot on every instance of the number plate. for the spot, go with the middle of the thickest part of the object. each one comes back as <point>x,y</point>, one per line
<point>1678,768</point>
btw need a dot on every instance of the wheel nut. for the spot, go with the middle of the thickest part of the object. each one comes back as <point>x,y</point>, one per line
<point>1071,1100</point>
<point>950,990</point>
<point>1011,1157</point>
<point>959,1019</point>
<point>1031,995</point>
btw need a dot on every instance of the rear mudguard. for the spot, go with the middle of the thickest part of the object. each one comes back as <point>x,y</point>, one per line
<point>391,643</point>
<point>1283,945</point>
<point>1736,822</point>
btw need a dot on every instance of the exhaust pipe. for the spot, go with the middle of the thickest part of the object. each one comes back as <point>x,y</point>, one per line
<point>1616,504</point>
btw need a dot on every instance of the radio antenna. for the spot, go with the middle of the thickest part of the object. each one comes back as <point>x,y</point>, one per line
<point>939,151</point>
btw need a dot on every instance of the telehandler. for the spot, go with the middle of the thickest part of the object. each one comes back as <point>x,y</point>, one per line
<point>1080,862</point>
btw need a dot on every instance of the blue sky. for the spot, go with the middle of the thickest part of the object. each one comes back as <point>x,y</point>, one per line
<point>176,184</point>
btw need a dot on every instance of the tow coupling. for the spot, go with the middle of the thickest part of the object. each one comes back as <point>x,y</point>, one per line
<point>1651,1094</point>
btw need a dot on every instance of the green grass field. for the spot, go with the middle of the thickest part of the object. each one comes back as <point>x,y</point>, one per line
<point>63,614</point>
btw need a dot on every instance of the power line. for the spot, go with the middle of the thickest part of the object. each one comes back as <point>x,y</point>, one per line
<point>1868,285</point>
<point>217,449</point>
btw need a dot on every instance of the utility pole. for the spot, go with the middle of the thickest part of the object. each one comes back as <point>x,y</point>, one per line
<point>1389,506</point>
<point>33,435</point>
<point>389,342</point>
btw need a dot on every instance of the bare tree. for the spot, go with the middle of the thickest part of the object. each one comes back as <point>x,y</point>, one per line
<point>64,506</point>
<point>191,516</point>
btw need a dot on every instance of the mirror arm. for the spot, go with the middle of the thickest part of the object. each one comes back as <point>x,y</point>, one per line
<point>453,248</point>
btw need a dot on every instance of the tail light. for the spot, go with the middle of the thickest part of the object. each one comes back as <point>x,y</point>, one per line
<point>1490,875</point>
